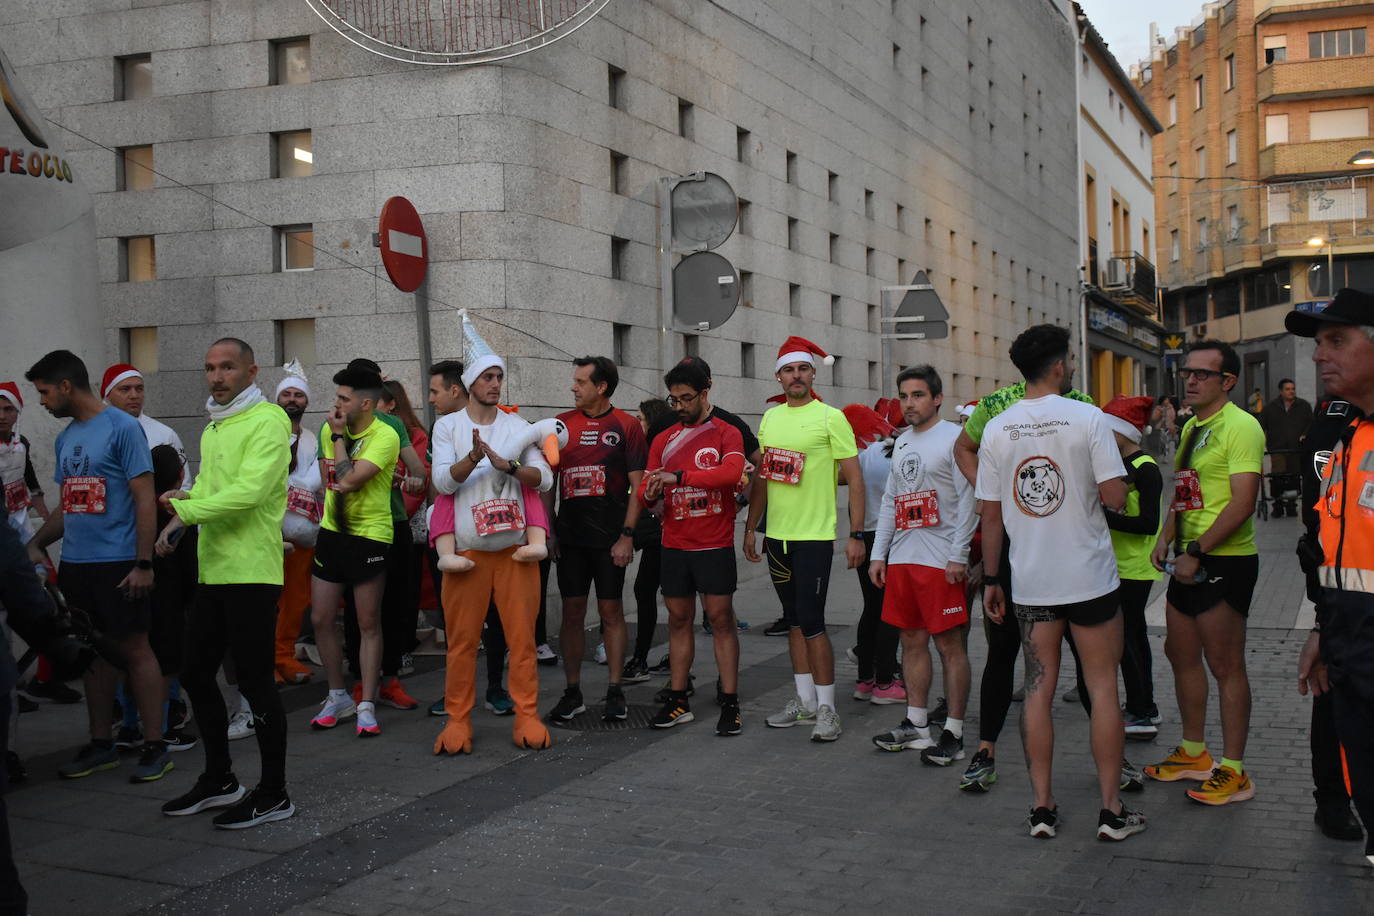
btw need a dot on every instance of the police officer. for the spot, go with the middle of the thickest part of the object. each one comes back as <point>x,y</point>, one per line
<point>1339,655</point>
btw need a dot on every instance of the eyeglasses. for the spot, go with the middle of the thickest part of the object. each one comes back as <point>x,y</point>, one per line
<point>1200,375</point>
<point>685,401</point>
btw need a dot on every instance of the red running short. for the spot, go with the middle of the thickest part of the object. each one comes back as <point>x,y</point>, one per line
<point>919,598</point>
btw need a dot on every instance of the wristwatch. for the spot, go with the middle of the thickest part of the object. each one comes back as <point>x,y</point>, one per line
<point>627,532</point>
<point>1193,550</point>
<point>335,436</point>
<point>992,580</point>
<point>143,564</point>
<point>514,466</point>
<point>857,535</point>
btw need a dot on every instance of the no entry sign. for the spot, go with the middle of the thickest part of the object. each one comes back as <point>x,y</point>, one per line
<point>405,252</point>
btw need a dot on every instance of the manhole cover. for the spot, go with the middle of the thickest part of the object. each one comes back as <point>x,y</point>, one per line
<point>591,721</point>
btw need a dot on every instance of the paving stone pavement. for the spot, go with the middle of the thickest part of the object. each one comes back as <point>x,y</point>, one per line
<point>686,822</point>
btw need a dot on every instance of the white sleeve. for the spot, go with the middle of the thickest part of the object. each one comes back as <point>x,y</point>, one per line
<point>887,518</point>
<point>965,518</point>
<point>444,456</point>
<point>1106,457</point>
<point>988,488</point>
<point>533,457</point>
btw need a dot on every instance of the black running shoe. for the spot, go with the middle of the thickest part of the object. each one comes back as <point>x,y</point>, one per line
<point>636,672</point>
<point>1119,826</point>
<point>675,711</point>
<point>178,714</point>
<point>154,762</point>
<point>616,709</point>
<point>947,750</point>
<point>206,793</point>
<point>53,691</point>
<point>569,705</point>
<point>178,739</point>
<point>778,627</point>
<point>128,737</point>
<point>667,692</point>
<point>1043,822</point>
<point>662,667</point>
<point>260,807</point>
<point>940,714</point>
<point>729,722</point>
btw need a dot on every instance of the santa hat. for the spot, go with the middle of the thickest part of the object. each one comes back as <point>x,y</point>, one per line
<point>10,392</point>
<point>116,374</point>
<point>295,378</point>
<point>891,411</point>
<point>478,354</point>
<point>866,423</point>
<point>800,350</point>
<point>967,410</point>
<point>1128,416</point>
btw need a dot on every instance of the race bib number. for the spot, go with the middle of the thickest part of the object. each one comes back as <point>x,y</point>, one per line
<point>493,516</point>
<point>918,510</point>
<point>302,502</point>
<point>588,480</point>
<point>16,496</point>
<point>1366,500</point>
<point>782,465</point>
<point>694,502</point>
<point>83,495</point>
<point>1187,490</point>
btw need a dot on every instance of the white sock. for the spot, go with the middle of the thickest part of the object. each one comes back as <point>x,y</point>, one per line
<point>806,690</point>
<point>233,700</point>
<point>338,694</point>
<point>916,715</point>
<point>243,705</point>
<point>955,727</point>
<point>825,695</point>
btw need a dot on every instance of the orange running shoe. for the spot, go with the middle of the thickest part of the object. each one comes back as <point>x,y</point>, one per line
<point>1179,765</point>
<point>1225,786</point>
<point>393,694</point>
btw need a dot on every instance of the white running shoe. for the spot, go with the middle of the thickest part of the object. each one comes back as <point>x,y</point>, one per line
<point>600,654</point>
<point>333,710</point>
<point>827,724</point>
<point>241,725</point>
<point>367,720</point>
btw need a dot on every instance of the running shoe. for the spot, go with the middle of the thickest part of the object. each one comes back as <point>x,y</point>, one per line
<point>260,807</point>
<point>981,773</point>
<point>1179,765</point>
<point>178,714</point>
<point>241,725</point>
<point>90,759</point>
<point>863,690</point>
<point>827,726</point>
<point>667,691</point>
<point>367,720</point>
<point>128,737</point>
<point>889,694</point>
<point>794,713</point>
<point>1119,826</point>
<point>599,656</point>
<point>947,750</point>
<point>1139,728</point>
<point>674,712</point>
<point>1334,819</point>
<point>206,793</point>
<point>940,714</point>
<point>778,627</point>
<point>615,709</point>
<point>568,706</point>
<point>177,739</point>
<point>729,722</point>
<point>706,627</point>
<point>394,695</point>
<point>1071,696</point>
<point>53,692</point>
<point>545,655</point>
<point>1155,717</point>
<point>852,653</point>
<point>153,763</point>
<point>1043,822</point>
<point>636,672</point>
<point>663,666</point>
<point>334,710</point>
<point>498,702</point>
<point>1225,786</point>
<point>437,708</point>
<point>307,651</point>
<point>1132,780</point>
<point>741,624</point>
<point>904,736</point>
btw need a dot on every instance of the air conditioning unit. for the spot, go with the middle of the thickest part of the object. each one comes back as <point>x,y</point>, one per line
<point>1118,276</point>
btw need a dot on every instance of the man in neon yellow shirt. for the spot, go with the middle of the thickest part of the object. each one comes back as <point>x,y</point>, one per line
<point>358,453</point>
<point>806,445</point>
<point>1211,526</point>
<point>238,501</point>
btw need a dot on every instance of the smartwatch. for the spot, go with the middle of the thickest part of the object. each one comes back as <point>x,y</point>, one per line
<point>857,535</point>
<point>992,580</point>
<point>627,532</point>
<point>1193,550</point>
<point>514,466</point>
<point>143,564</point>
<point>336,436</point>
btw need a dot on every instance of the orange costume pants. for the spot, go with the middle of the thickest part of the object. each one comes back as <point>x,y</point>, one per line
<point>291,606</point>
<point>466,597</point>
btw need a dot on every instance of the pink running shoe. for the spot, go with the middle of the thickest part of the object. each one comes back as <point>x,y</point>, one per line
<point>888,694</point>
<point>863,690</point>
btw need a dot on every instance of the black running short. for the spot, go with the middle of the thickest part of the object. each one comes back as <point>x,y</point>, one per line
<point>686,573</point>
<point>1229,579</point>
<point>1088,613</point>
<point>94,588</point>
<point>800,571</point>
<point>348,559</point>
<point>579,568</point>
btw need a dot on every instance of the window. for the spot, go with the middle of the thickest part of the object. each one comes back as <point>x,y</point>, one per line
<point>135,169</point>
<point>834,248</point>
<point>1232,223</point>
<point>1173,173</point>
<point>1275,49</point>
<point>615,87</point>
<point>140,259</point>
<point>1195,306</point>
<point>743,142</point>
<point>1336,43</point>
<point>1275,129</point>
<point>620,344</point>
<point>1339,124</point>
<point>868,203</point>
<point>794,300</point>
<point>1201,236</point>
<point>1264,288</point>
<point>1280,205</point>
<point>1336,203</point>
<point>1173,111</point>
<point>872,375</point>
<point>901,219</point>
<point>1228,70</point>
<point>686,118</point>
<point>1232,147</point>
<point>1197,92</point>
<point>792,235</point>
<point>1174,245</point>
<point>832,187</point>
<point>296,248</point>
<point>746,360</point>
<point>295,157</point>
<point>836,314</point>
<point>138,347</point>
<point>896,56</point>
<point>1200,162</point>
<point>290,62</point>
<point>691,345</point>
<point>1226,299</point>
<point>745,223</point>
<point>746,288</point>
<point>619,166</point>
<point>295,339</point>
<point>873,321</point>
<point>870,262</point>
<point>134,77</point>
<point>620,249</point>
<point>790,167</point>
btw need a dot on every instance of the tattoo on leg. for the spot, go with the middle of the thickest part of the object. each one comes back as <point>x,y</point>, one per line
<point>1035,668</point>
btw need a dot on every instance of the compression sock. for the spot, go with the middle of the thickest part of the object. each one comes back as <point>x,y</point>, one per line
<point>806,690</point>
<point>1235,766</point>
<point>917,716</point>
<point>1193,748</point>
<point>825,695</point>
<point>955,727</point>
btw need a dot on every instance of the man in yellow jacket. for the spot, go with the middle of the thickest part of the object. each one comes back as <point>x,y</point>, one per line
<point>238,501</point>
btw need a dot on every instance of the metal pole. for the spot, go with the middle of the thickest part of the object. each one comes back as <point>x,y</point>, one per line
<point>426,351</point>
<point>665,274</point>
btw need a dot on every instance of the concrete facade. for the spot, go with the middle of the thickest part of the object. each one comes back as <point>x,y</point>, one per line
<point>898,136</point>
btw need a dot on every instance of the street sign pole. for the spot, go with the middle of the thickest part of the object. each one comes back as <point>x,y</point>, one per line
<point>665,275</point>
<point>426,346</point>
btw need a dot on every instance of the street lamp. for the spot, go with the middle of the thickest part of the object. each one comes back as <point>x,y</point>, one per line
<point>1363,157</point>
<point>1317,241</point>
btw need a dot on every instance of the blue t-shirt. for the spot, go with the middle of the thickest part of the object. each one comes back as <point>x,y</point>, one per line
<point>95,462</point>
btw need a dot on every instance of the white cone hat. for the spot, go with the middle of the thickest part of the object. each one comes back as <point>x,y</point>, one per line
<point>478,355</point>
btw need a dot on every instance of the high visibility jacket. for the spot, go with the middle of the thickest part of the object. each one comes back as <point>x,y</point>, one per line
<point>1345,506</point>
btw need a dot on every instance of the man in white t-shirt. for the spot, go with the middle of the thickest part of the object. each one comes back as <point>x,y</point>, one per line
<point>123,387</point>
<point>1046,467</point>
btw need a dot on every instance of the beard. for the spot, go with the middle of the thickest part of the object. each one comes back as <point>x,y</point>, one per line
<point>294,411</point>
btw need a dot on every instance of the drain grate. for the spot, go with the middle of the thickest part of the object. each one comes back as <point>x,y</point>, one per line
<point>591,721</point>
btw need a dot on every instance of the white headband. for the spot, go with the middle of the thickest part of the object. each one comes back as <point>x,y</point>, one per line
<point>293,381</point>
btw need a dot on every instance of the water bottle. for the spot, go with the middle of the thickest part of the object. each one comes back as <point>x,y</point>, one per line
<point>1198,578</point>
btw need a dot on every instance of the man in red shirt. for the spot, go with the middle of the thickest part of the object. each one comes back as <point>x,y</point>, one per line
<point>597,472</point>
<point>695,468</point>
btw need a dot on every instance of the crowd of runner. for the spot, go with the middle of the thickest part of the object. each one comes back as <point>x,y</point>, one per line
<point>1038,505</point>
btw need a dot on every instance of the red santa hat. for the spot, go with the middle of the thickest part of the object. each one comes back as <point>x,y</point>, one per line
<point>891,411</point>
<point>1128,416</point>
<point>800,350</point>
<point>867,424</point>
<point>967,410</point>
<point>116,374</point>
<point>10,392</point>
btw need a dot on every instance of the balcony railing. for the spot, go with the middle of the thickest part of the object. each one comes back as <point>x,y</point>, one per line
<point>1315,157</point>
<point>1324,77</point>
<point>1130,279</point>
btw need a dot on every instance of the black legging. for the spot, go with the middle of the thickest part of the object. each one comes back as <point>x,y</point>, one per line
<point>646,600</point>
<point>876,644</point>
<point>1004,645</point>
<point>1136,660</point>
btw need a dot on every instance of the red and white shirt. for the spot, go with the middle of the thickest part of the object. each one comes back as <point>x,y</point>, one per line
<point>594,475</point>
<point>699,513</point>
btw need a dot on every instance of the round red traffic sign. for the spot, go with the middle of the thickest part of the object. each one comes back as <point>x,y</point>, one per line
<point>405,251</point>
